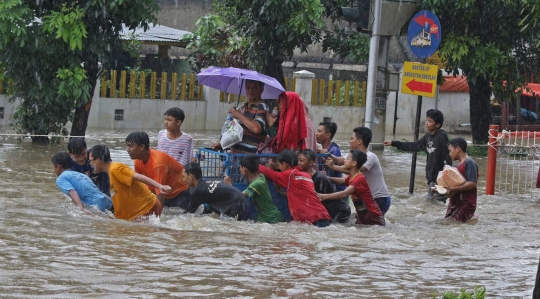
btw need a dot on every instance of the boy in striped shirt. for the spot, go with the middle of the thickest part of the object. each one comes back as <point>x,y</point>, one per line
<point>172,140</point>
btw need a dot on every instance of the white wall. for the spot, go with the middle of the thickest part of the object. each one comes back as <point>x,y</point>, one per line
<point>210,114</point>
<point>144,113</point>
<point>9,109</point>
<point>454,106</point>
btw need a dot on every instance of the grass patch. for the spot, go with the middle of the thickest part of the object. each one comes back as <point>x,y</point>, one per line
<point>477,150</point>
<point>478,293</point>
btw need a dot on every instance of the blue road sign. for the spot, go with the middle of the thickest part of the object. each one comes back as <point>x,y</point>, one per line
<point>424,34</point>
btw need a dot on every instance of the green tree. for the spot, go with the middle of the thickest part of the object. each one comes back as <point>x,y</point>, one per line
<point>51,55</point>
<point>484,40</point>
<point>341,37</point>
<point>216,44</point>
<point>273,29</point>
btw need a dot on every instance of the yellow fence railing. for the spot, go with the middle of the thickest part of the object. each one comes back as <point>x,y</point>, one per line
<point>173,86</point>
<point>338,93</point>
<point>140,85</point>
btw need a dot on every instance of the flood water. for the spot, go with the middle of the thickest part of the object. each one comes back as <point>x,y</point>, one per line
<point>49,249</point>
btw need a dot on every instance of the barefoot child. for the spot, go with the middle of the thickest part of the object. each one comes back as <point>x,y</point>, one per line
<point>462,203</point>
<point>304,204</point>
<point>339,209</point>
<point>78,186</point>
<point>367,210</point>
<point>435,143</point>
<point>258,190</point>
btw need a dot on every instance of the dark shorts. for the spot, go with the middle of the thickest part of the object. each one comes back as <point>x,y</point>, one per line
<point>460,213</point>
<point>243,214</point>
<point>181,200</point>
<point>368,218</point>
<point>339,210</point>
<point>383,203</point>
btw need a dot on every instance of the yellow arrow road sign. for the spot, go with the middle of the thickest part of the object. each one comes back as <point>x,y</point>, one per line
<point>419,79</point>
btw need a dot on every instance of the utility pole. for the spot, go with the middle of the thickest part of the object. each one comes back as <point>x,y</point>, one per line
<point>372,64</point>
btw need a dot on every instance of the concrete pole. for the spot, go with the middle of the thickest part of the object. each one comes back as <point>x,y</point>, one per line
<point>304,84</point>
<point>372,64</point>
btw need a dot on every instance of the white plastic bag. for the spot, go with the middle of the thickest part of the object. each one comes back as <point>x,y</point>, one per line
<point>232,134</point>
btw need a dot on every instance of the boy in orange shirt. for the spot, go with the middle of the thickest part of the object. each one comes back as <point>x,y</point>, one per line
<point>160,167</point>
<point>130,196</point>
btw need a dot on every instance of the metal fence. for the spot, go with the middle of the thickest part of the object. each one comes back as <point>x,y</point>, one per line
<point>141,85</point>
<point>518,160</point>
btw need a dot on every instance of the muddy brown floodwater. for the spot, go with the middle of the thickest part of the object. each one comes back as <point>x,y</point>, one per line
<point>50,249</point>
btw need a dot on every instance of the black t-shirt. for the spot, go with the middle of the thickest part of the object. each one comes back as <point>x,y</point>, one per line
<point>322,184</point>
<point>220,197</point>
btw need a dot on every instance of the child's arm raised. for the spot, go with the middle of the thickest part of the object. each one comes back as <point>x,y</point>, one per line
<point>337,195</point>
<point>419,145</point>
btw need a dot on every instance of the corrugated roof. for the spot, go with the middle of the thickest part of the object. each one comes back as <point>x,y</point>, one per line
<point>157,34</point>
<point>454,84</point>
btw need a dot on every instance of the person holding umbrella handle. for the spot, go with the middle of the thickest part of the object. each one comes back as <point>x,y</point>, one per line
<point>252,117</point>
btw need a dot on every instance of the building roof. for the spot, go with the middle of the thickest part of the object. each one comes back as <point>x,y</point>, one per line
<point>158,35</point>
<point>454,84</point>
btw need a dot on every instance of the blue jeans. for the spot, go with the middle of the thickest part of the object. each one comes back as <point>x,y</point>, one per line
<point>383,203</point>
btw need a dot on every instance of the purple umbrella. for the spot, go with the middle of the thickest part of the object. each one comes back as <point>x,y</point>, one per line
<point>231,80</point>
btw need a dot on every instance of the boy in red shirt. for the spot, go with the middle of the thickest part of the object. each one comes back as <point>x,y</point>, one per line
<point>304,204</point>
<point>367,210</point>
<point>462,198</point>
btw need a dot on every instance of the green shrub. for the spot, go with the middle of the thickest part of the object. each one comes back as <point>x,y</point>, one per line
<point>478,293</point>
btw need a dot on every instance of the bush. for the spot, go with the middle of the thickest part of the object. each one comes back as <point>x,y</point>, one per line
<point>478,293</point>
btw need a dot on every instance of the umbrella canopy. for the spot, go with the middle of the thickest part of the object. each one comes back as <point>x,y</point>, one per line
<point>231,80</point>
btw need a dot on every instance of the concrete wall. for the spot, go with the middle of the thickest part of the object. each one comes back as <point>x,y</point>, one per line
<point>454,106</point>
<point>144,113</point>
<point>9,109</point>
<point>210,113</point>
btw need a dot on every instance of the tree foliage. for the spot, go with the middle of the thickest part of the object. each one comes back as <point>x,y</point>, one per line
<point>216,44</point>
<point>483,40</point>
<point>273,29</point>
<point>341,37</point>
<point>262,34</point>
<point>51,52</point>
